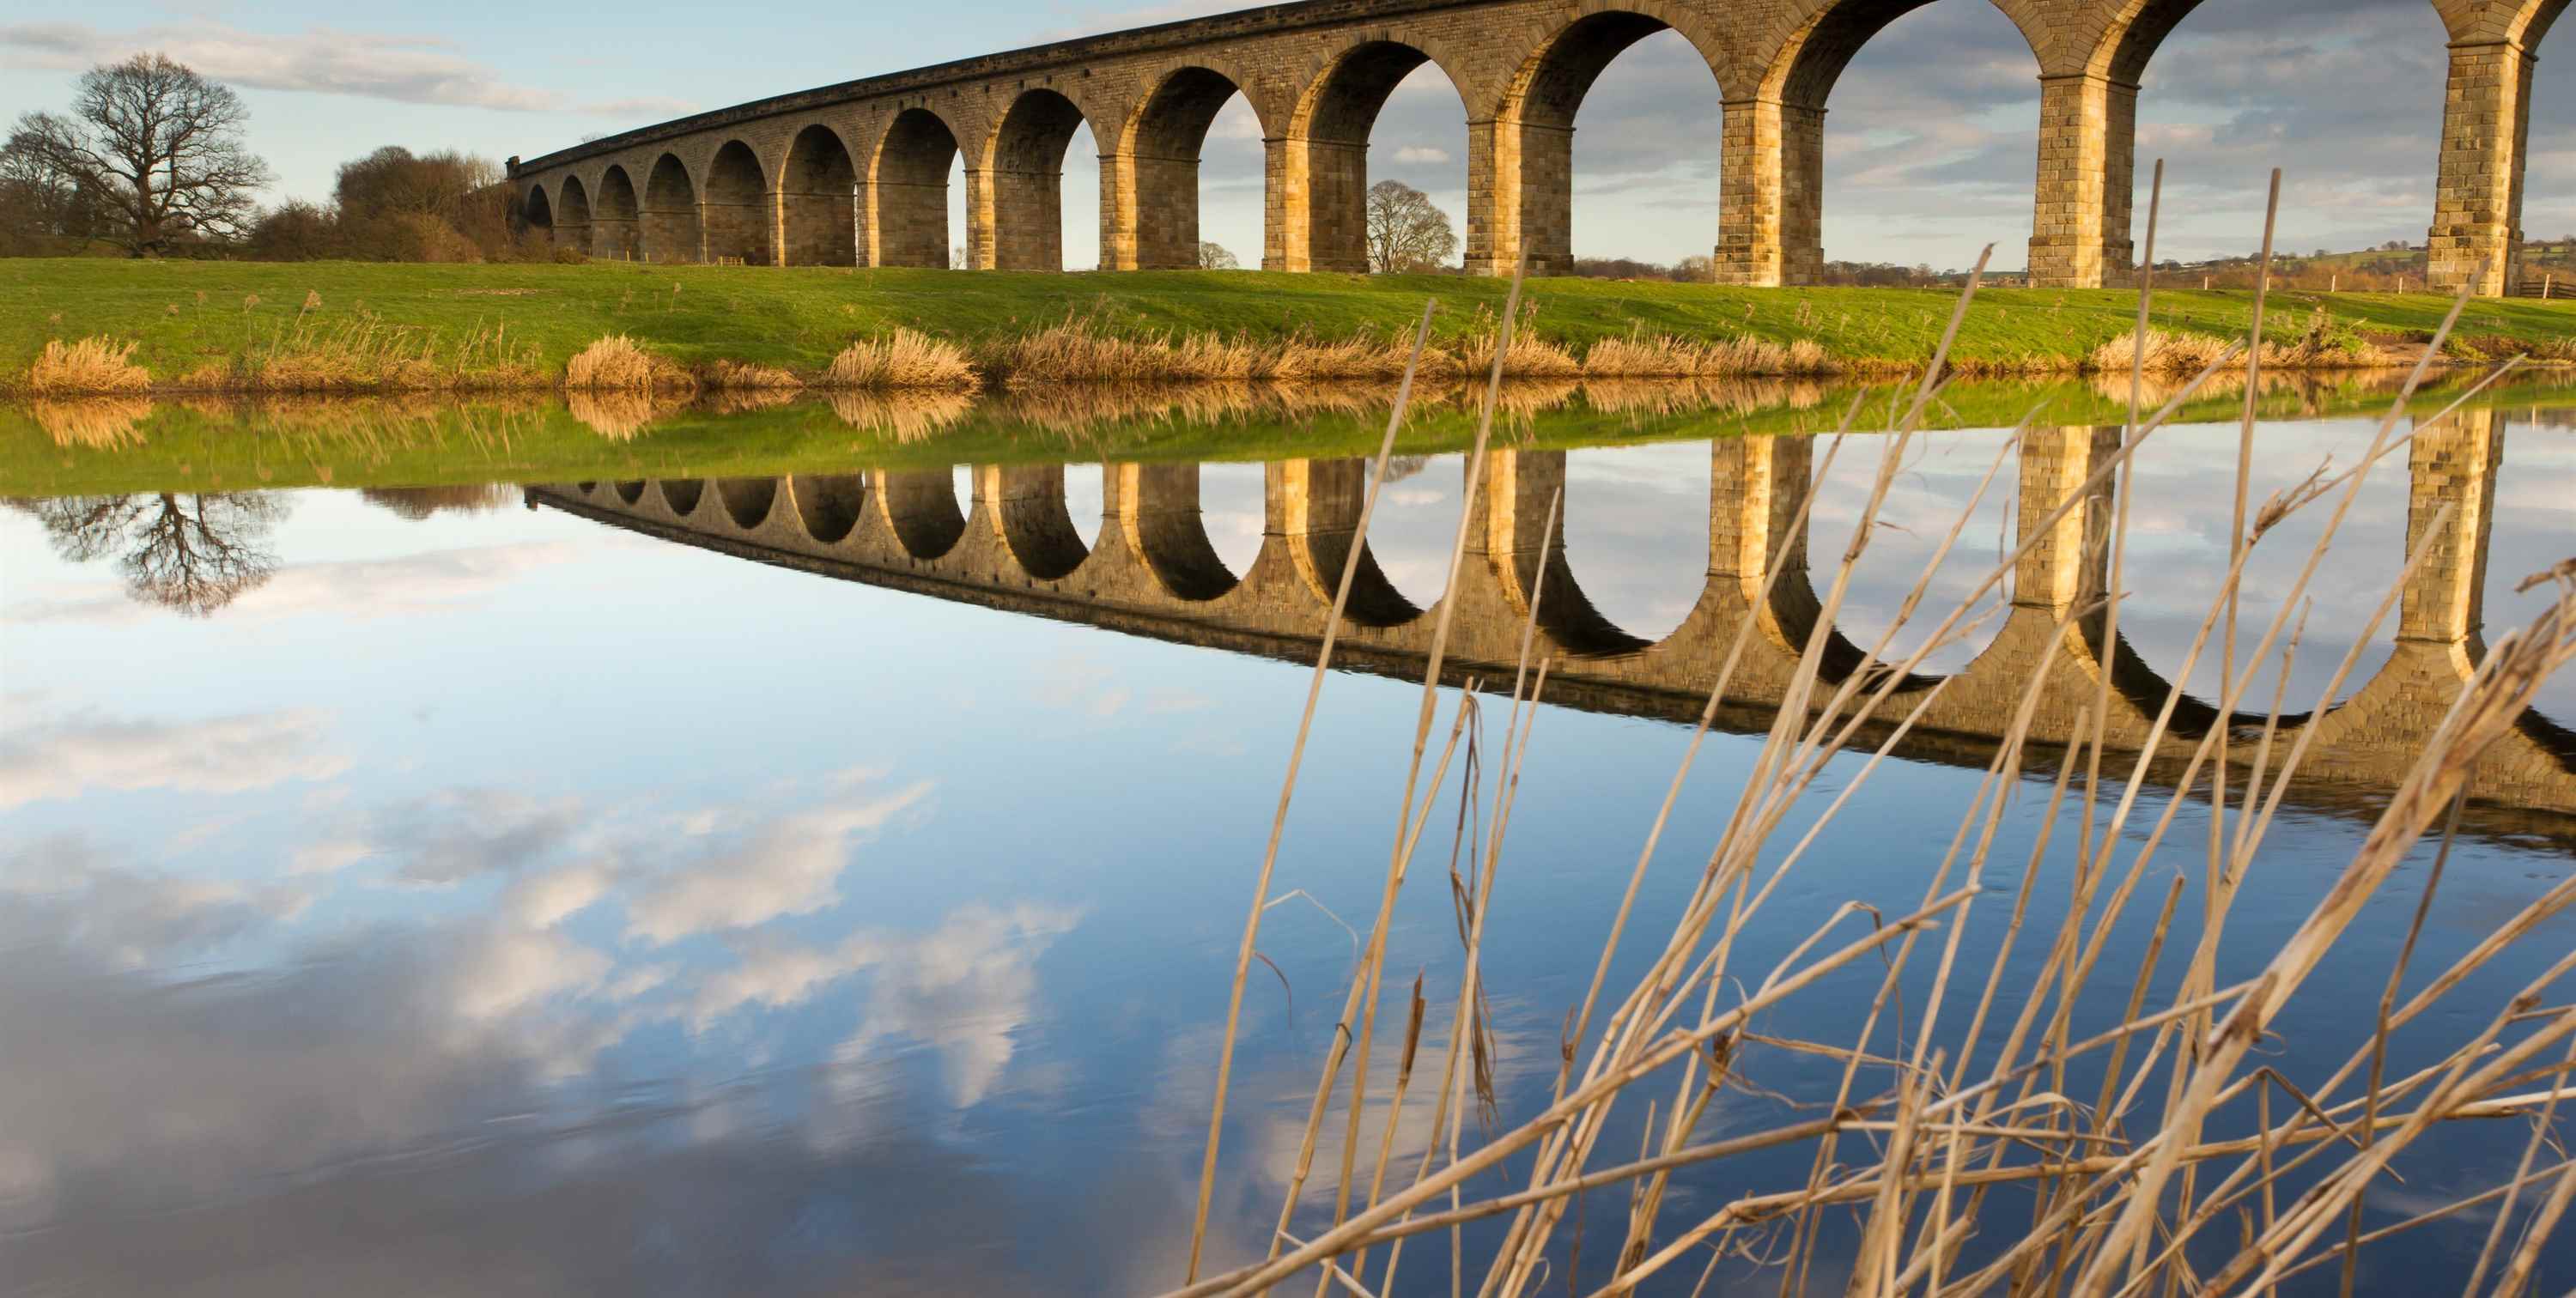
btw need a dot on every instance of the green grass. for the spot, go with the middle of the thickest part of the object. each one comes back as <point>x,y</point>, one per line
<point>189,315</point>
<point>418,442</point>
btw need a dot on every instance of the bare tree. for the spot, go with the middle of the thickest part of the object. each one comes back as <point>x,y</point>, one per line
<point>1213,256</point>
<point>1406,233</point>
<point>194,554</point>
<point>161,147</point>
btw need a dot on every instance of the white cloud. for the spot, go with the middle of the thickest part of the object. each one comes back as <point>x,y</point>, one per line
<point>319,60</point>
<point>962,989</point>
<point>1421,154</point>
<point>789,868</point>
<point>545,900</point>
<point>75,755</point>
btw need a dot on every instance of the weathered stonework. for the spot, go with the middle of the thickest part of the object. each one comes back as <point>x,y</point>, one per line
<point>1154,572</point>
<point>779,181</point>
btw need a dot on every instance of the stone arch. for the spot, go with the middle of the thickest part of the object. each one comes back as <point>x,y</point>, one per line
<point>920,506</point>
<point>747,501</point>
<point>572,215</point>
<point>736,206</point>
<point>1328,159</point>
<point>1026,505</point>
<point>536,214</point>
<point>1774,229</point>
<point>1156,507</point>
<point>818,195</point>
<point>682,495</point>
<point>613,224</point>
<point>1025,165</point>
<point>631,492</point>
<point>2522,22</point>
<point>1534,152</point>
<point>828,505</point>
<point>1156,203</point>
<point>670,214</point>
<point>1315,507</point>
<point>908,190</point>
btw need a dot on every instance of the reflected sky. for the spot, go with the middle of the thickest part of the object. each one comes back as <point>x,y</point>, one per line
<point>489,900</point>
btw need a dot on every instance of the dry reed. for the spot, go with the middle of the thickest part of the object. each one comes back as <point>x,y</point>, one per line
<point>903,360</point>
<point>1970,1093</point>
<point>89,367</point>
<point>93,423</point>
<point>617,363</point>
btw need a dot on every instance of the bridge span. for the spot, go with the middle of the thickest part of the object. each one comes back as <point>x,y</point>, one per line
<point>857,173</point>
<point>1153,572</point>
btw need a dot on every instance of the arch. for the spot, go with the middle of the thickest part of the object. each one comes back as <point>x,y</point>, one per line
<point>747,501</point>
<point>613,224</point>
<point>1330,134</point>
<point>921,506</point>
<point>736,207</point>
<point>1025,170</point>
<point>1619,504</point>
<point>1157,511</point>
<point>1028,509</point>
<point>1315,505</point>
<point>1774,227</point>
<point>631,492</point>
<point>682,494</point>
<point>819,197</point>
<point>670,220</point>
<point>1511,526</point>
<point>1534,159</point>
<point>828,504</point>
<point>573,211</point>
<point>536,215</point>
<point>908,191</point>
<point>1162,145</point>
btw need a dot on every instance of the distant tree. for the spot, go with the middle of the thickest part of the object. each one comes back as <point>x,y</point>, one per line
<point>1213,256</point>
<point>396,205</point>
<point>296,230</point>
<point>194,553</point>
<point>1696,270</point>
<point>41,210</point>
<point>957,258</point>
<point>1406,232</point>
<point>159,145</point>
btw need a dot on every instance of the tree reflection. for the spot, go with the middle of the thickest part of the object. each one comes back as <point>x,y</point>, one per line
<point>192,553</point>
<point>419,504</point>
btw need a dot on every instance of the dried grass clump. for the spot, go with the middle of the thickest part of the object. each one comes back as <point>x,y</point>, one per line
<point>738,377</point>
<point>1303,358</point>
<point>366,355</point>
<point>1082,350</point>
<point>903,360</point>
<point>620,416</point>
<point>907,414</point>
<point>1525,356</point>
<point>89,368</point>
<point>618,363</point>
<point>94,423</point>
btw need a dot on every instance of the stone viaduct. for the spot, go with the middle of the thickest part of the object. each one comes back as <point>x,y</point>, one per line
<point>857,173</point>
<point>1153,572</point>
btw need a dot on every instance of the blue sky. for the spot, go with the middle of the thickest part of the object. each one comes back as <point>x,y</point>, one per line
<point>1929,153</point>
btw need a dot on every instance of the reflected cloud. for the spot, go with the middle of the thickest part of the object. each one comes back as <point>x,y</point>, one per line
<point>71,756</point>
<point>962,990</point>
<point>789,867</point>
<point>357,590</point>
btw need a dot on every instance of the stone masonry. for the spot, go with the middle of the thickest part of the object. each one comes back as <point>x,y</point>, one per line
<point>857,173</point>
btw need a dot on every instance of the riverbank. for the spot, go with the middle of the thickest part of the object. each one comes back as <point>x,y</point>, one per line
<point>350,327</point>
<point>143,443</point>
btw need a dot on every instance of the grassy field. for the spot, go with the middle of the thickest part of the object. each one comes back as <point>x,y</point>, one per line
<point>200,444</point>
<point>199,317</point>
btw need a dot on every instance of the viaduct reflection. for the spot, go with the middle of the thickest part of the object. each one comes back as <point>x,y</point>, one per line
<point>1154,572</point>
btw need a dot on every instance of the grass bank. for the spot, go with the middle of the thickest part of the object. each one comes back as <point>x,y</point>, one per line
<point>365,326</point>
<point>204,443</point>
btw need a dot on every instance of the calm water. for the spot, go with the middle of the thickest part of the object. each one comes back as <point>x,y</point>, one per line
<point>516,889</point>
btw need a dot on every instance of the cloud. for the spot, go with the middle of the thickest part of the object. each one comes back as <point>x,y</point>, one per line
<point>318,60</point>
<point>352,590</point>
<point>1421,154</point>
<point>76,755</point>
<point>463,834</point>
<point>962,989</point>
<point>790,867</point>
<point>130,918</point>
